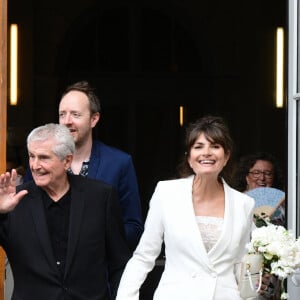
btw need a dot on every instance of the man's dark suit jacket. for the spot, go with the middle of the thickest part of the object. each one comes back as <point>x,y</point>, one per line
<point>96,247</point>
<point>115,167</point>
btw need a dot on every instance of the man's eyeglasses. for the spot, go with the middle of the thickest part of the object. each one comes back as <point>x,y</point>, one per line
<point>257,173</point>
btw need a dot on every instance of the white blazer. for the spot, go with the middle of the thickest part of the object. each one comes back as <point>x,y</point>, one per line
<point>190,272</point>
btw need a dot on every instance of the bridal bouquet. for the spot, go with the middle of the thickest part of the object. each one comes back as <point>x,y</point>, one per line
<point>279,248</point>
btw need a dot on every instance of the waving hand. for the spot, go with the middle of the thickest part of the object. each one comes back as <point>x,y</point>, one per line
<point>8,196</point>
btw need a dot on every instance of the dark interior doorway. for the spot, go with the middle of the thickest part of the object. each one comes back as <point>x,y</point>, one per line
<point>147,58</point>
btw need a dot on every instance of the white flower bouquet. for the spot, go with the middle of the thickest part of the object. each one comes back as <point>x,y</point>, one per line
<point>280,250</point>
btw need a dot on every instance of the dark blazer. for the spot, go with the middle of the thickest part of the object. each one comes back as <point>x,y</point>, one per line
<point>115,167</point>
<point>96,247</point>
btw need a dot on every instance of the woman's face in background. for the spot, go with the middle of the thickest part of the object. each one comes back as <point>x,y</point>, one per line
<point>260,175</point>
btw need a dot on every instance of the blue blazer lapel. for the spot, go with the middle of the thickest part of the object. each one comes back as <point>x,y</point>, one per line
<point>95,161</point>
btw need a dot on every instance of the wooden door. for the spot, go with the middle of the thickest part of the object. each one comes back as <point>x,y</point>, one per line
<point>3,115</point>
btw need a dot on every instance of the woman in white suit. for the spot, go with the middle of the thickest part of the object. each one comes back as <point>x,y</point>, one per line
<point>204,223</point>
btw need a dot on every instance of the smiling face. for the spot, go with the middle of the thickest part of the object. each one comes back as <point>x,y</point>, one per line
<point>74,112</point>
<point>207,158</point>
<point>48,170</point>
<point>260,175</point>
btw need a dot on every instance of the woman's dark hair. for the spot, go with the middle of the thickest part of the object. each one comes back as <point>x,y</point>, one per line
<point>216,131</point>
<point>246,162</point>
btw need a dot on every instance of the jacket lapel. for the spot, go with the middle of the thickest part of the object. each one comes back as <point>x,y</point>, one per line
<point>95,161</point>
<point>221,245</point>
<point>223,241</point>
<point>39,218</point>
<point>196,241</point>
<point>76,213</point>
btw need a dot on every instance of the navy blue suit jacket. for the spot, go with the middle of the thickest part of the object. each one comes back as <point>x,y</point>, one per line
<point>115,167</point>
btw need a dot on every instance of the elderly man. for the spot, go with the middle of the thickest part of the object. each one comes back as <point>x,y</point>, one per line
<point>63,234</point>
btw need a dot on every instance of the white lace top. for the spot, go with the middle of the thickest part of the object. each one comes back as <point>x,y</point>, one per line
<point>210,229</point>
